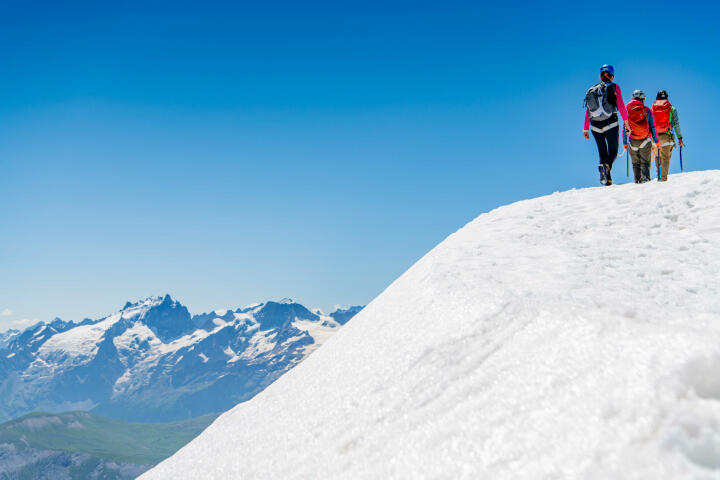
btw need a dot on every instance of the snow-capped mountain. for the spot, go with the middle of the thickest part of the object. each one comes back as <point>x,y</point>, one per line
<point>153,361</point>
<point>6,336</point>
<point>572,336</point>
<point>343,315</point>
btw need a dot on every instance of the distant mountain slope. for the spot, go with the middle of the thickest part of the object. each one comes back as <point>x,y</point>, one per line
<point>6,336</point>
<point>153,361</point>
<point>343,315</point>
<point>81,445</point>
<point>572,336</point>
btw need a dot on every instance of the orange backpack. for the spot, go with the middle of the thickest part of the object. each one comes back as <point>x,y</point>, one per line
<point>637,119</point>
<point>661,112</point>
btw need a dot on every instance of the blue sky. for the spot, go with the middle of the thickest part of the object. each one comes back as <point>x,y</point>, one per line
<point>233,152</point>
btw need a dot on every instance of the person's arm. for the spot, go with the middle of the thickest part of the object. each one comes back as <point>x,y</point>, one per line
<point>586,125</point>
<point>620,103</point>
<point>651,122</point>
<point>675,122</point>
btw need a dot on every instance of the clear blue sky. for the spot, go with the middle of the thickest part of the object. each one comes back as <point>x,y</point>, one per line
<point>232,152</point>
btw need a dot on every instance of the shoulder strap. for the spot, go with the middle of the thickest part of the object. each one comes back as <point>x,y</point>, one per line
<point>613,97</point>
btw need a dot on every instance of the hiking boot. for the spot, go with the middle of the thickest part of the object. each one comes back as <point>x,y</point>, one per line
<point>608,178</point>
<point>637,174</point>
<point>645,172</point>
<point>603,174</point>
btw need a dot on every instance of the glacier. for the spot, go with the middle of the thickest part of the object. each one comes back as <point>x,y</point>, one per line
<point>571,336</point>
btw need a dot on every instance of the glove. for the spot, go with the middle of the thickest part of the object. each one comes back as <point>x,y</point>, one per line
<point>586,134</point>
<point>680,142</point>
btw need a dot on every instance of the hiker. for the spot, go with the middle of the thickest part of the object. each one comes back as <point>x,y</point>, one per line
<point>641,129</point>
<point>602,102</point>
<point>667,125</point>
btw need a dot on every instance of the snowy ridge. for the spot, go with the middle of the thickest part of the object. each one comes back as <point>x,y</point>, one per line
<point>572,336</point>
<point>153,361</point>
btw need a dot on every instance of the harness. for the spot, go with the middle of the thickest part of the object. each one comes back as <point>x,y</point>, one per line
<point>603,129</point>
<point>642,145</point>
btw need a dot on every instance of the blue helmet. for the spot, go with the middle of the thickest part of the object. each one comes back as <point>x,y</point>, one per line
<point>607,68</point>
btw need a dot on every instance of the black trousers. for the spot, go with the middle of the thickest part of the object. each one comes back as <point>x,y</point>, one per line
<point>607,144</point>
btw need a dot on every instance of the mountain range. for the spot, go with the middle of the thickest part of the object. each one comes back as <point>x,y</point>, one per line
<point>153,361</point>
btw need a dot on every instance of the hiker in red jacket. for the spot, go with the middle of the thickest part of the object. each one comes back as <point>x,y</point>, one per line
<point>640,126</point>
<point>603,101</point>
<point>666,121</point>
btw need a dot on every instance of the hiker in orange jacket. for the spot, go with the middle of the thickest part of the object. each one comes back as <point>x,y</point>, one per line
<point>666,121</point>
<point>640,127</point>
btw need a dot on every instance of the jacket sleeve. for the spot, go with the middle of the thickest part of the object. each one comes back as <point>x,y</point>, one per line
<point>675,122</point>
<point>586,126</point>
<point>621,103</point>
<point>651,122</point>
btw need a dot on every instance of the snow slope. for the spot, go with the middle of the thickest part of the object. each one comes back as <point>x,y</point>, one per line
<point>573,336</point>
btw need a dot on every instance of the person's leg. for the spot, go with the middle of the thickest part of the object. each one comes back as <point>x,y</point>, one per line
<point>603,153</point>
<point>666,163</point>
<point>645,154</point>
<point>635,156</point>
<point>613,139</point>
<point>666,149</point>
<point>601,145</point>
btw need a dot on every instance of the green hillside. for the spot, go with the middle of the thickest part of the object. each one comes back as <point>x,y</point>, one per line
<point>105,438</point>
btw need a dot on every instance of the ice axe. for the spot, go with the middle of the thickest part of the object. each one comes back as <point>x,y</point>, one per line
<point>681,165</point>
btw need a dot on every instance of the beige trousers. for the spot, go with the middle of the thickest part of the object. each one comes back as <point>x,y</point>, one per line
<point>666,144</point>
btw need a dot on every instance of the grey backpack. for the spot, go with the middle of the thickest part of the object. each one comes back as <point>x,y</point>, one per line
<point>597,102</point>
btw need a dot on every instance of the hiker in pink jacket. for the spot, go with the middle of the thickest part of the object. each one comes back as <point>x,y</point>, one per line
<point>602,102</point>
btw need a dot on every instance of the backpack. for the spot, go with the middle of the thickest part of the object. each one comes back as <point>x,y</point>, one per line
<point>637,120</point>
<point>661,111</point>
<point>600,101</point>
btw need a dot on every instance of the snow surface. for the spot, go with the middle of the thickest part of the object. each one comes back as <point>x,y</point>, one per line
<point>573,336</point>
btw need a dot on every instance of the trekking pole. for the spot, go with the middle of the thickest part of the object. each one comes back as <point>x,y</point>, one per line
<point>626,143</point>
<point>681,165</point>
